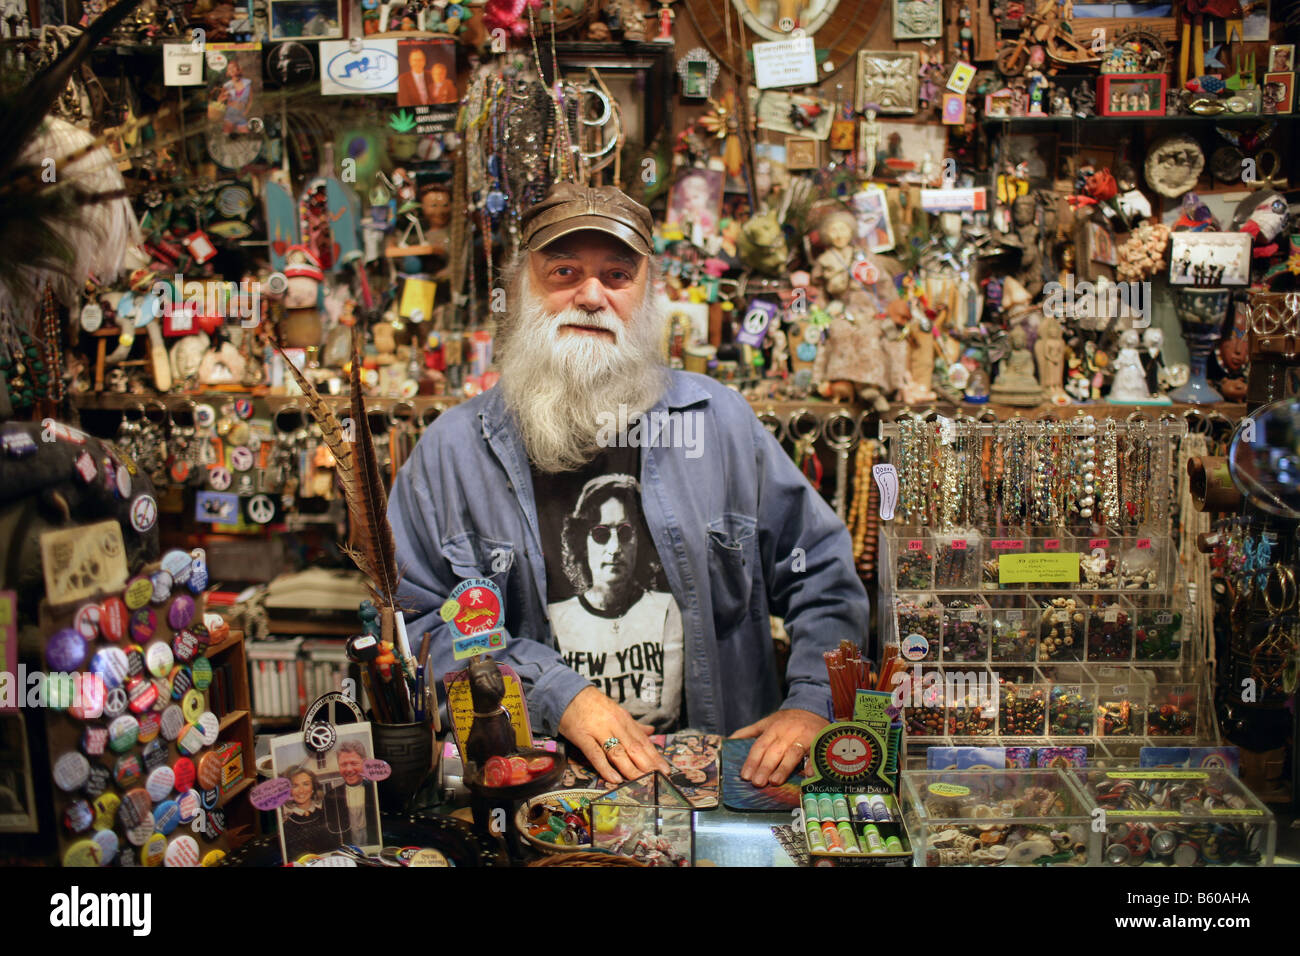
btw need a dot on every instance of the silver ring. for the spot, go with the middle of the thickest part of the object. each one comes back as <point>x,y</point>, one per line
<point>799,745</point>
<point>611,743</point>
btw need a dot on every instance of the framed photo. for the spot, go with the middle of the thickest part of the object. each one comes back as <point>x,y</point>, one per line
<point>234,86</point>
<point>792,113</point>
<point>305,19</point>
<point>917,19</point>
<point>1209,258</point>
<point>954,109</point>
<point>911,152</point>
<point>698,71</point>
<point>888,81</point>
<point>999,103</point>
<point>872,210</point>
<point>843,134</point>
<point>331,801</point>
<point>696,199</point>
<point>1101,245</point>
<point>800,153</point>
<point>426,72</point>
<point>1281,58</point>
<point>962,75</point>
<point>1131,94</point>
<point>1279,92</point>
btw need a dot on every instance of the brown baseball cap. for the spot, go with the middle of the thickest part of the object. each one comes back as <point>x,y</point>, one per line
<point>570,208</point>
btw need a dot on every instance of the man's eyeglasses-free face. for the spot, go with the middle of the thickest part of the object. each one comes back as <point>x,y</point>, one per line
<point>600,533</point>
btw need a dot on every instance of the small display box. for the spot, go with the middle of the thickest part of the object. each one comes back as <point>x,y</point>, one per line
<point>913,554</point>
<point>918,622</point>
<point>967,627</point>
<point>957,562</point>
<point>647,819</point>
<point>1072,701</point>
<point>1062,629</point>
<point>1110,629</point>
<point>1180,818</point>
<point>1158,633</point>
<point>1014,637</point>
<point>1172,710</point>
<point>997,818</point>
<point>1131,94</point>
<point>1022,702</point>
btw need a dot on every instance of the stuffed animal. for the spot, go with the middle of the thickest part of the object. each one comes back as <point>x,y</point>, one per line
<point>491,734</point>
<point>762,244</point>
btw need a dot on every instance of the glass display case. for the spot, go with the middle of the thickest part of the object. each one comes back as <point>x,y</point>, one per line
<point>1013,629</point>
<point>918,621</point>
<point>1022,702</point>
<point>997,818</point>
<point>1172,710</point>
<point>967,628</point>
<point>972,697</point>
<point>1072,701</point>
<point>1158,634</point>
<point>1179,818</point>
<point>957,562</point>
<point>1062,630</point>
<point>647,819</point>
<point>1110,629</point>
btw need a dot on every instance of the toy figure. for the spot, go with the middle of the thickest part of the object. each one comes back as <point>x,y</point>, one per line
<point>1130,382</point>
<point>1016,384</point>
<point>1049,352</point>
<point>491,734</point>
<point>762,244</point>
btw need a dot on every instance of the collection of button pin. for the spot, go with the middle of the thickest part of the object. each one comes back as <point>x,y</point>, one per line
<point>146,718</point>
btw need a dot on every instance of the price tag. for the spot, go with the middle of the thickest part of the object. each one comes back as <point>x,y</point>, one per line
<point>1144,544</point>
<point>1120,690</point>
<point>959,545</point>
<point>914,546</point>
<point>1099,543</point>
<point>1014,616</point>
<point>947,431</point>
<point>1111,615</point>
<point>968,615</point>
<point>1052,544</point>
<point>1007,544</point>
<point>1164,617</point>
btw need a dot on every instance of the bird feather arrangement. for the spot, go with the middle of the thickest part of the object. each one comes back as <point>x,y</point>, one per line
<point>64,214</point>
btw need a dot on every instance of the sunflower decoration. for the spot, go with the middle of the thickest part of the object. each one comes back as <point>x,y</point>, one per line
<point>1293,264</point>
<point>723,122</point>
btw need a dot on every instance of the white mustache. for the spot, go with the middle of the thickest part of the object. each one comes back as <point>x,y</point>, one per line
<point>594,320</point>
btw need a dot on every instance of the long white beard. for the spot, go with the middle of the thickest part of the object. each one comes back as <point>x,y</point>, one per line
<point>561,387</point>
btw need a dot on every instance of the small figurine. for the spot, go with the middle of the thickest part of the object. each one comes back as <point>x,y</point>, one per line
<point>1049,352</point>
<point>762,244</point>
<point>1016,384</point>
<point>491,734</point>
<point>1129,386</point>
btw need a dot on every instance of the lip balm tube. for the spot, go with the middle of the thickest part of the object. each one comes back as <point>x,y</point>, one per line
<point>850,841</point>
<point>825,807</point>
<point>811,814</point>
<point>841,805</point>
<point>893,845</point>
<point>871,836</point>
<point>880,809</point>
<point>862,807</point>
<point>815,839</point>
<point>834,841</point>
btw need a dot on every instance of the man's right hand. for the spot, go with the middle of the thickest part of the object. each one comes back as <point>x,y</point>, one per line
<point>591,719</point>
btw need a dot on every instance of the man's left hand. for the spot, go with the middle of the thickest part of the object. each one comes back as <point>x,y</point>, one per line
<point>784,740</point>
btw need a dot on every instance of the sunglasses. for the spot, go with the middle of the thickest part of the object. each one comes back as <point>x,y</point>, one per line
<point>600,533</point>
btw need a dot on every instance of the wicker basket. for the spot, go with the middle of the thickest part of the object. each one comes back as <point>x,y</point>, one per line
<point>585,858</point>
<point>521,820</point>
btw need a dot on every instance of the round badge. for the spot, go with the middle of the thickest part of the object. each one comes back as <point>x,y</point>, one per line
<point>98,780</point>
<point>123,733</point>
<point>142,694</point>
<point>191,740</point>
<point>88,701</point>
<point>428,857</point>
<point>210,796</point>
<point>106,806</point>
<point>320,736</point>
<point>144,513</point>
<point>115,702</point>
<point>108,844</point>
<point>159,783</point>
<point>261,509</point>
<point>149,726</point>
<point>180,471</point>
<point>204,415</point>
<point>92,316</point>
<point>110,665</point>
<point>123,481</point>
<point>201,632</point>
<point>87,621</point>
<point>65,650</point>
<point>158,657</point>
<point>209,726</point>
<point>181,681</point>
<point>201,673</point>
<point>213,858</point>
<point>144,623</point>
<point>189,803</point>
<point>162,586</point>
<point>154,849</point>
<point>184,775</point>
<point>166,816</point>
<point>83,853</point>
<point>219,478</point>
<point>192,705</point>
<point>172,722</point>
<point>209,772</point>
<point>93,741</point>
<point>241,458</point>
<point>214,824</point>
<point>183,851</point>
<point>138,593</point>
<point>181,612</point>
<point>77,816</point>
<point>71,771</point>
<point>135,660</point>
<point>198,579</point>
<point>177,564</point>
<point>127,771</point>
<point>154,755</point>
<point>915,647</point>
<point>164,686</point>
<point>185,646</point>
<point>113,617</point>
<point>136,816</point>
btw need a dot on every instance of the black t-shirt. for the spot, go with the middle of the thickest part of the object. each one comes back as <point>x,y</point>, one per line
<point>614,618</point>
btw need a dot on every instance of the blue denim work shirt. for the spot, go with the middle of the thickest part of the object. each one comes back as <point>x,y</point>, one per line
<point>740,533</point>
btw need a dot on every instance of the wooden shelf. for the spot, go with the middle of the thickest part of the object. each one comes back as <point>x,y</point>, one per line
<point>240,787</point>
<point>231,718</point>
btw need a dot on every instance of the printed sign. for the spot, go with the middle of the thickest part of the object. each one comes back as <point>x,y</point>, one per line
<point>1052,567</point>
<point>484,643</point>
<point>371,68</point>
<point>182,65</point>
<point>473,607</point>
<point>785,63</point>
<point>80,561</point>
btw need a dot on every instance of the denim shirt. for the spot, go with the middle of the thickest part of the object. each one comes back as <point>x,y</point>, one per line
<point>739,531</point>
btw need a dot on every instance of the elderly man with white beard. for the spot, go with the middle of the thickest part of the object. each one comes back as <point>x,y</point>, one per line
<point>638,575</point>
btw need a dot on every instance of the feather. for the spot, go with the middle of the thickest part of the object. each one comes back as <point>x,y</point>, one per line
<point>330,429</point>
<point>369,506</point>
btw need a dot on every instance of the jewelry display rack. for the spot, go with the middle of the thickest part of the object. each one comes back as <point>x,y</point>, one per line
<point>1028,582</point>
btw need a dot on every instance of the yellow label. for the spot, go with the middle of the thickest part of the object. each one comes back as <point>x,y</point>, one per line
<point>461,707</point>
<point>1157,774</point>
<point>1053,568</point>
<point>949,790</point>
<point>417,299</point>
<point>449,610</point>
<point>1229,812</point>
<point>1143,813</point>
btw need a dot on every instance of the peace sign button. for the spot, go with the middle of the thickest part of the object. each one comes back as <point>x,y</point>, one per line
<point>241,458</point>
<point>261,509</point>
<point>219,478</point>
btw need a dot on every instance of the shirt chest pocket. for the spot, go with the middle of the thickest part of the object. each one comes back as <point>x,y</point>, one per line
<point>733,551</point>
<point>475,556</point>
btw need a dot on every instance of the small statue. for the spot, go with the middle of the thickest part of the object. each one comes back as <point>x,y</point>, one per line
<point>919,386</point>
<point>834,266</point>
<point>633,20</point>
<point>1016,384</point>
<point>851,359</point>
<point>762,244</point>
<point>491,734</point>
<point>1030,275</point>
<point>1234,354</point>
<point>1049,351</point>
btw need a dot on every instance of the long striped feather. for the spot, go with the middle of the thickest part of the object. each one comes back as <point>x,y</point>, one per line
<point>369,506</point>
<point>330,428</point>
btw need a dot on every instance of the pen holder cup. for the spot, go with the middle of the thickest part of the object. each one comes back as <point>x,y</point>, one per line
<point>409,750</point>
